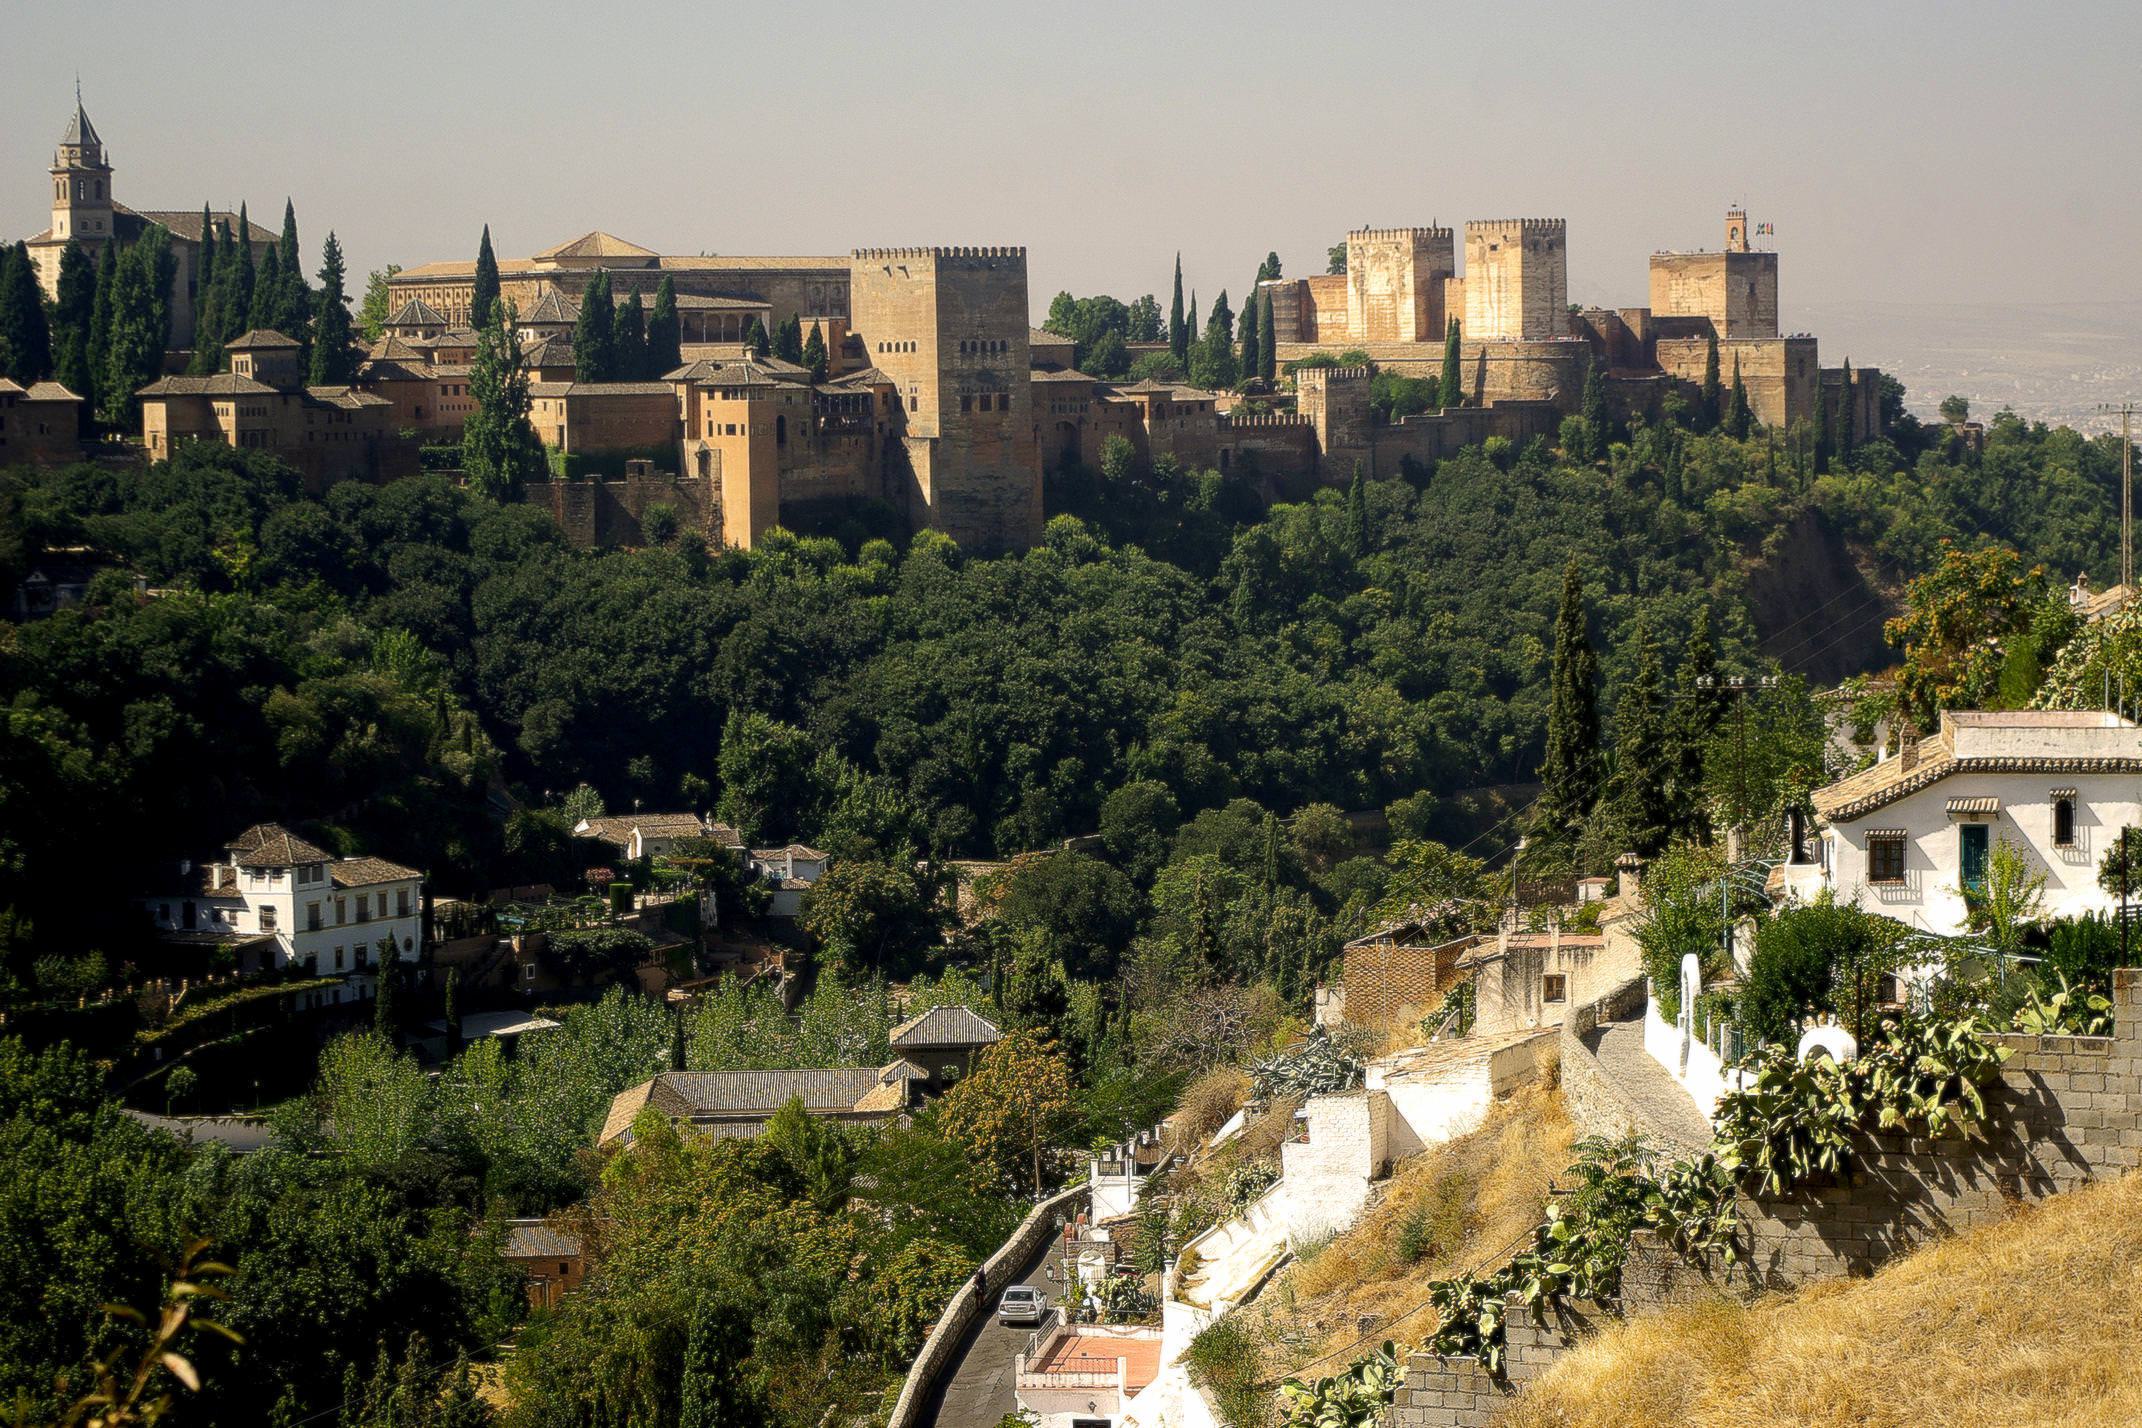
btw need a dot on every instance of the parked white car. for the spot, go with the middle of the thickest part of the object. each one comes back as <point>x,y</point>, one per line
<point>1022,1304</point>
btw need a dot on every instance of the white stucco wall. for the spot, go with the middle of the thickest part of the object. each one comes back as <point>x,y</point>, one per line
<point>1696,1067</point>
<point>1930,897</point>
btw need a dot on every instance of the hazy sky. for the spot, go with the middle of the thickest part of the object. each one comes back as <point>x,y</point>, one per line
<point>1905,152</point>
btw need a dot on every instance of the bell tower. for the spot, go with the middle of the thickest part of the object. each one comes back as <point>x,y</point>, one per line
<point>81,182</point>
<point>1736,230</point>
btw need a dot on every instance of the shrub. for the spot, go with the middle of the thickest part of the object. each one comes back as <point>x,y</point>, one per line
<point>2083,950</point>
<point>1829,956</point>
<point>1227,1361</point>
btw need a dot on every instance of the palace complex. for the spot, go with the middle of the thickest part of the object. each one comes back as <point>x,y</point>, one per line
<point>938,398</point>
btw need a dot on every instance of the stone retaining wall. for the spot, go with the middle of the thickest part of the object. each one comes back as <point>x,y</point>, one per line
<point>942,1346</point>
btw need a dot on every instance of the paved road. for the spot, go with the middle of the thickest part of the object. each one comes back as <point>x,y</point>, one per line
<point>978,1393</point>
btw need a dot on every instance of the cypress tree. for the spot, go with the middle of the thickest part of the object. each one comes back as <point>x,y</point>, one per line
<point>1570,774</point>
<point>664,354</point>
<point>1739,419</point>
<point>1594,408</point>
<point>1670,464</point>
<point>1252,354</point>
<point>204,277</point>
<point>595,332</point>
<point>499,449</point>
<point>246,273</point>
<point>483,295</point>
<point>1451,391</point>
<point>23,331</point>
<point>628,340</point>
<point>1190,327</point>
<point>1178,331</point>
<point>293,305</point>
<point>788,343</point>
<point>1711,390</point>
<point>74,323</point>
<point>1223,318</point>
<point>1267,342</point>
<point>100,324</point>
<point>1822,430</point>
<point>268,290</point>
<point>386,994</point>
<point>1357,514</point>
<point>1847,437</point>
<point>755,337</point>
<point>1645,772</point>
<point>814,353</point>
<point>1698,707</point>
<point>334,341</point>
<point>451,995</point>
<point>139,323</point>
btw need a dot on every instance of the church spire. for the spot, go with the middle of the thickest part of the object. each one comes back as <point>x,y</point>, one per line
<point>81,136</point>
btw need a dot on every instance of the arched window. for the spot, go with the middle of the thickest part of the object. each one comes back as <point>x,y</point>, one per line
<point>2064,819</point>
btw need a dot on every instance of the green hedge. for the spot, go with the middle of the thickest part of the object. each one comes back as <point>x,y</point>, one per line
<point>597,465</point>
<point>439,458</point>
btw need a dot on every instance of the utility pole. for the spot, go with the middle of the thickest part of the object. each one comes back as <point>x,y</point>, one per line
<point>1739,686</point>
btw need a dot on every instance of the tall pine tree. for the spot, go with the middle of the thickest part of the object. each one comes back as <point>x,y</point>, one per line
<point>664,354</point>
<point>268,291</point>
<point>74,314</point>
<point>1451,390</point>
<point>628,340</point>
<point>1190,327</point>
<point>595,332</point>
<point>1645,775</point>
<point>1178,328</point>
<point>483,293</point>
<point>1252,354</point>
<point>1570,775</point>
<point>334,340</point>
<point>294,304</point>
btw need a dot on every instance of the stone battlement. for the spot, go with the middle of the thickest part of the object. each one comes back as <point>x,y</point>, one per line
<point>881,255</point>
<point>1337,374</point>
<point>1229,419</point>
<point>1387,235</point>
<point>1527,225</point>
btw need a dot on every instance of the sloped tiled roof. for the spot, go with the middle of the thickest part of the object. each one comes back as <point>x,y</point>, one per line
<point>80,132</point>
<point>596,244</point>
<point>945,1026</point>
<point>49,392</point>
<point>393,345</point>
<point>348,398</point>
<point>1062,374</point>
<point>186,222</point>
<point>1042,337</point>
<point>364,872</point>
<point>550,352</point>
<point>270,845</point>
<point>223,384</point>
<point>534,1239</point>
<point>260,339</point>
<point>417,313</point>
<point>552,308</point>
<point>709,1098</point>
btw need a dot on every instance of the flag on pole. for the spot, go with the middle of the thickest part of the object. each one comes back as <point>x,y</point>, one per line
<point>1762,228</point>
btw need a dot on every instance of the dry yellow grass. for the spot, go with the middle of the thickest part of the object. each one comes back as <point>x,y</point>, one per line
<point>1468,1199</point>
<point>1205,1105</point>
<point>2025,1324</point>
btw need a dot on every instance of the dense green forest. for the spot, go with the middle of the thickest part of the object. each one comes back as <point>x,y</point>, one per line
<point>1202,681</point>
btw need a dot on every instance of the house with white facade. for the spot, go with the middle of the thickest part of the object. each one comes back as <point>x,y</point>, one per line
<point>1085,1375</point>
<point>280,902</point>
<point>653,835</point>
<point>789,872</point>
<point>1905,837</point>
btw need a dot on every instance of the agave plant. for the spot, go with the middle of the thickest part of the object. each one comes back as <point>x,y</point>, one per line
<point>1318,1066</point>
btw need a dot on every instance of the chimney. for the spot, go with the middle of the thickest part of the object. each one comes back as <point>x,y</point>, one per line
<point>1908,745</point>
<point>1628,876</point>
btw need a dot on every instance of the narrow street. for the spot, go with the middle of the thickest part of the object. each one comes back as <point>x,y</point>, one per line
<point>978,1393</point>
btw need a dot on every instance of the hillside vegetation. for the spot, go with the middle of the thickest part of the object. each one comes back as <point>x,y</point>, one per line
<point>2029,1322</point>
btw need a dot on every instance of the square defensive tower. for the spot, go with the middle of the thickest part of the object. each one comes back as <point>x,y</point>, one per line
<point>1735,290</point>
<point>950,327</point>
<point>1394,283</point>
<point>1516,279</point>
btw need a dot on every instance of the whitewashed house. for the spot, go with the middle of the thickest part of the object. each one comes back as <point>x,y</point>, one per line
<point>282,902</point>
<point>789,872</point>
<point>653,835</point>
<point>1905,837</point>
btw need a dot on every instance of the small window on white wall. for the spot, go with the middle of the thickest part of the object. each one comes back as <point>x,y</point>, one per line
<point>2064,819</point>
